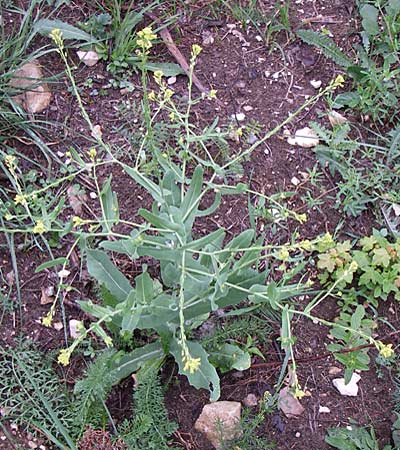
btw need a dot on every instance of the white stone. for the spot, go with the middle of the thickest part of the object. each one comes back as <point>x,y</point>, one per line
<point>171,81</point>
<point>219,421</point>
<point>239,117</point>
<point>58,326</point>
<point>74,326</point>
<point>316,84</point>
<point>324,409</point>
<point>305,137</point>
<point>63,273</point>
<point>295,181</point>
<point>350,389</point>
<point>89,58</point>
<point>250,400</point>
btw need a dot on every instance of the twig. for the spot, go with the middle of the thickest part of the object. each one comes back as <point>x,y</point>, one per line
<point>175,52</point>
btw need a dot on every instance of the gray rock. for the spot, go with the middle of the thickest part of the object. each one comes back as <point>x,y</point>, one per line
<point>219,422</point>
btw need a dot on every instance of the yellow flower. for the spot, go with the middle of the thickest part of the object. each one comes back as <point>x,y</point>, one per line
<point>64,356</point>
<point>40,227</point>
<point>302,218</point>
<point>191,364</point>
<point>158,74</point>
<point>152,96</point>
<point>385,350</point>
<point>239,132</point>
<point>305,245</point>
<point>92,154</point>
<point>20,199</point>
<point>196,50</point>
<point>56,35</point>
<point>171,116</point>
<point>46,321</point>
<point>168,94</point>
<point>212,94</point>
<point>10,161</point>
<point>283,254</point>
<point>76,220</point>
<point>337,82</point>
<point>146,36</point>
<point>298,393</point>
<point>108,341</point>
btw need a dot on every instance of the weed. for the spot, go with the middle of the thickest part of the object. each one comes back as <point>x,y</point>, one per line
<point>375,75</point>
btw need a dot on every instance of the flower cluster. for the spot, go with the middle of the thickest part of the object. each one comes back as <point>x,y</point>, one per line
<point>56,35</point>
<point>146,38</point>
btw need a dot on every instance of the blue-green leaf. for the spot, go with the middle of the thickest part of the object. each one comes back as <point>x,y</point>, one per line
<point>100,267</point>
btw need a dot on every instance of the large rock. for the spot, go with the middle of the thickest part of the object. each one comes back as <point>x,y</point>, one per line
<point>35,95</point>
<point>219,422</point>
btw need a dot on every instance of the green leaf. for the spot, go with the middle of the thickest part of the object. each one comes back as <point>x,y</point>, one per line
<point>152,188</point>
<point>100,267</point>
<point>205,376</point>
<point>69,32</point>
<point>144,288</point>
<point>381,257</point>
<point>325,261</point>
<point>326,45</point>
<point>357,317</point>
<point>131,313</point>
<point>158,221</point>
<point>51,263</point>
<point>370,19</point>
<point>168,69</point>
<point>132,361</point>
<point>125,246</point>
<point>110,205</point>
<point>229,357</point>
<point>192,196</point>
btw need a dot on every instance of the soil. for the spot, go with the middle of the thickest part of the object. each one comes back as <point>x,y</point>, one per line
<point>267,86</point>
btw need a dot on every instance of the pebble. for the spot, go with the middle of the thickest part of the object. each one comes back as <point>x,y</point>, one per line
<point>316,84</point>
<point>252,139</point>
<point>295,181</point>
<point>324,409</point>
<point>250,400</point>
<point>334,370</point>
<point>238,116</point>
<point>171,80</point>
<point>247,108</point>
<point>298,434</point>
<point>32,444</point>
<point>93,195</point>
<point>350,389</point>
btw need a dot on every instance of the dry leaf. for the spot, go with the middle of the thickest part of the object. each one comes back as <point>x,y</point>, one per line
<point>336,118</point>
<point>47,295</point>
<point>35,96</point>
<point>76,199</point>
<point>96,132</point>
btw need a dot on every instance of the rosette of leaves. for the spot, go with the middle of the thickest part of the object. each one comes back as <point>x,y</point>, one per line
<point>198,276</point>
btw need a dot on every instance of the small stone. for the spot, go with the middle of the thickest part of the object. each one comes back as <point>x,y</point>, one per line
<point>305,138</point>
<point>250,400</point>
<point>207,37</point>
<point>47,295</point>
<point>58,326</point>
<point>247,108</point>
<point>171,81</point>
<point>36,94</point>
<point>316,84</point>
<point>350,389</point>
<point>32,444</point>
<point>289,404</point>
<point>295,181</point>
<point>63,273</point>
<point>74,326</point>
<point>298,434</point>
<point>89,58</point>
<point>219,421</point>
<point>239,117</point>
<point>251,139</point>
<point>93,195</point>
<point>324,409</point>
<point>334,370</point>
<point>259,38</point>
<point>97,132</point>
